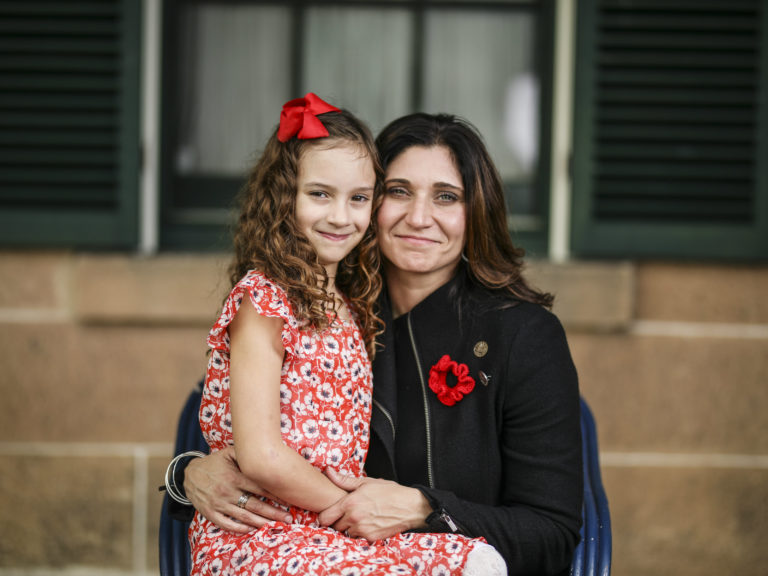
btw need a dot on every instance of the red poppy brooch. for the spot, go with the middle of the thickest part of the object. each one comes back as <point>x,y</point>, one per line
<point>449,395</point>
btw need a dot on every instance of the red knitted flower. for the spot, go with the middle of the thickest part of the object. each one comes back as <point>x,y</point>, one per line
<point>446,394</point>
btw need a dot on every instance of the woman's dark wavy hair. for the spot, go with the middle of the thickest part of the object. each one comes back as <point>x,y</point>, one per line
<point>267,237</point>
<point>493,260</point>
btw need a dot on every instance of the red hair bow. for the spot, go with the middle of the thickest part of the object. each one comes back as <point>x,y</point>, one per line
<point>437,376</point>
<point>299,118</point>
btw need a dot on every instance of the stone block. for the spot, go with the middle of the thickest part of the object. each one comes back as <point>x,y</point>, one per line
<point>97,383</point>
<point>702,395</point>
<point>592,296</point>
<point>187,289</point>
<point>66,511</point>
<point>688,522</point>
<point>33,280</point>
<point>702,292</point>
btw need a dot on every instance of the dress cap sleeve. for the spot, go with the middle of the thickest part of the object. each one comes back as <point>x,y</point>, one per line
<point>268,298</point>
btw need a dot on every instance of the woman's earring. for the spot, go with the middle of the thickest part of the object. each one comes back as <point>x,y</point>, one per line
<point>464,257</point>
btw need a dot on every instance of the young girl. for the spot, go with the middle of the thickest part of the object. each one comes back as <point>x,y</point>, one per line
<point>289,376</point>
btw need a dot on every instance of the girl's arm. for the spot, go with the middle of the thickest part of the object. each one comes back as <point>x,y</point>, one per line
<point>256,359</point>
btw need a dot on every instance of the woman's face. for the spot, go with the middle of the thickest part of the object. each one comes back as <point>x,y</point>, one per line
<point>422,221</point>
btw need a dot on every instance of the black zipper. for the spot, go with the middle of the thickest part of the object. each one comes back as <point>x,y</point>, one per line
<point>387,414</point>
<point>426,404</point>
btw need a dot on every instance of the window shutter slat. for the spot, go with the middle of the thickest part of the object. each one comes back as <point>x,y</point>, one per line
<point>68,121</point>
<point>675,93</point>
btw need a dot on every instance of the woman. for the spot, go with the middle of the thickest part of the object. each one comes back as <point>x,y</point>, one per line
<point>498,453</point>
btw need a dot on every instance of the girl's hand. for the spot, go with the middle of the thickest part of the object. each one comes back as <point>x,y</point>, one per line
<point>214,485</point>
<point>374,508</point>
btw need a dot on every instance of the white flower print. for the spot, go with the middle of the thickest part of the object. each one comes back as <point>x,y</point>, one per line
<point>226,422</point>
<point>285,394</point>
<point>331,344</point>
<point>319,540</point>
<point>327,365</point>
<point>455,561</point>
<point>298,408</point>
<point>334,431</point>
<point>334,558</point>
<point>215,566</point>
<point>294,565</point>
<point>308,345</point>
<point>329,416</point>
<point>207,413</point>
<point>325,392</point>
<point>309,403</point>
<point>310,428</point>
<point>214,388</point>
<point>357,371</point>
<point>416,563</point>
<point>440,570</point>
<point>261,569</point>
<point>295,436</point>
<point>286,549</point>
<point>241,557</point>
<point>335,457</point>
<point>308,454</point>
<point>216,360</point>
<point>306,370</point>
<point>351,571</point>
<point>285,423</point>
<point>213,436</point>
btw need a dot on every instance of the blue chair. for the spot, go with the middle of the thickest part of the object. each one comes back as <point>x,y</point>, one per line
<point>592,556</point>
<point>174,544</point>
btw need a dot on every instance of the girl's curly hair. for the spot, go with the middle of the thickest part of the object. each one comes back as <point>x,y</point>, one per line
<point>267,237</point>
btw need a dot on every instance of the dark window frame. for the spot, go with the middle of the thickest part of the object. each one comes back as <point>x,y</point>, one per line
<point>178,232</point>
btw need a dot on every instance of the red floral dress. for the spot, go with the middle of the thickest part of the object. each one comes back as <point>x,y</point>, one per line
<point>325,409</point>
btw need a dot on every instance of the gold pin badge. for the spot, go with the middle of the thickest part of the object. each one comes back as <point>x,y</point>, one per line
<point>481,349</point>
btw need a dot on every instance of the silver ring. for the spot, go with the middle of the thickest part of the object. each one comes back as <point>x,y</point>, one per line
<point>243,500</point>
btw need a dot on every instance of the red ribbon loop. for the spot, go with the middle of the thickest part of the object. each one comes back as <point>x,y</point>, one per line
<point>299,118</point>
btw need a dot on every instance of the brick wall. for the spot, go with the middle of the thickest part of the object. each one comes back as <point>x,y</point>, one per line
<point>99,353</point>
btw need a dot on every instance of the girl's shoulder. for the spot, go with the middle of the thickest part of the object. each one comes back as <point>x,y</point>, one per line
<point>263,292</point>
<point>267,297</point>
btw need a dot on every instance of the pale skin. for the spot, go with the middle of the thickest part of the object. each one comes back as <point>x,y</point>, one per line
<point>421,229</point>
<point>333,210</point>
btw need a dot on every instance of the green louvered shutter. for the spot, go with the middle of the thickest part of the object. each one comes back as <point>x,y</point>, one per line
<point>670,129</point>
<point>69,123</point>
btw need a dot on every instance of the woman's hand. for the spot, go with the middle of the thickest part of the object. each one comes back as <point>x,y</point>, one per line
<point>214,485</point>
<point>375,508</point>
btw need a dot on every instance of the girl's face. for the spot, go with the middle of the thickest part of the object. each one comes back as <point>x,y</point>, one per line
<point>334,199</point>
<point>422,221</point>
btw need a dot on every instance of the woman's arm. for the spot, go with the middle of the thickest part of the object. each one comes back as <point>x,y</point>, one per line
<point>256,359</point>
<point>214,484</point>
